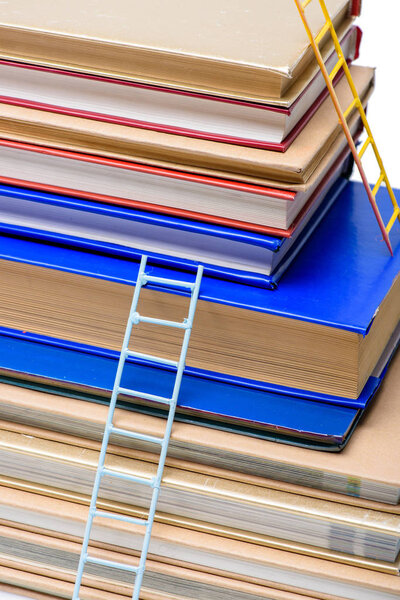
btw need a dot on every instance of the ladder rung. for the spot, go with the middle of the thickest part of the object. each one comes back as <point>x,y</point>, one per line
<point>393,218</point>
<point>378,184</point>
<point>336,68</point>
<point>167,282</point>
<point>136,436</point>
<point>144,395</point>
<point>364,147</point>
<point>322,33</point>
<point>356,102</point>
<point>137,318</point>
<point>118,517</point>
<point>156,359</point>
<point>111,563</point>
<point>305,4</point>
<point>131,478</point>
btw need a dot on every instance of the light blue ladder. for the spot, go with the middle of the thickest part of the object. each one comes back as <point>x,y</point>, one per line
<point>155,482</point>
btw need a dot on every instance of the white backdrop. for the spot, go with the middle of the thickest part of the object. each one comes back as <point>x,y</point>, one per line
<point>380,48</point>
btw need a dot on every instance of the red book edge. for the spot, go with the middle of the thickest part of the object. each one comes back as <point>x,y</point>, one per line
<point>356,8</point>
<point>213,137</point>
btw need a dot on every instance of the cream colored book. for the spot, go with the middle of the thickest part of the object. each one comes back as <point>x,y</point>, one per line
<point>364,474</point>
<point>247,562</point>
<point>206,503</point>
<point>42,574</point>
<point>254,49</point>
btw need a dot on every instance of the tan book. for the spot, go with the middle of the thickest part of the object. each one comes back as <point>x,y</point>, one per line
<point>209,553</point>
<point>186,583</point>
<point>211,504</point>
<point>297,169</point>
<point>364,470</point>
<point>258,49</point>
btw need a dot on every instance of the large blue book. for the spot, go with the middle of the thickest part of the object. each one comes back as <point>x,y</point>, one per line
<point>343,282</point>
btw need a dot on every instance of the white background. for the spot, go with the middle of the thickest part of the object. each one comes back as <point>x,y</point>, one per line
<point>380,48</point>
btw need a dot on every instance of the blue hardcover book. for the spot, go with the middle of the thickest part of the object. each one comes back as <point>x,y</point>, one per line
<point>231,254</point>
<point>343,280</point>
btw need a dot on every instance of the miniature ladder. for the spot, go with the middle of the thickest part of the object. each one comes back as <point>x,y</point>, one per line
<point>356,103</point>
<point>155,482</point>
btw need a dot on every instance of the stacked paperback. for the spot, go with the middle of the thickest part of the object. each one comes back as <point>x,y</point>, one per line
<point>194,133</point>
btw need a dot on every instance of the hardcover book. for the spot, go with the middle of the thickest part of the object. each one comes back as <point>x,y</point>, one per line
<point>65,468</point>
<point>187,46</point>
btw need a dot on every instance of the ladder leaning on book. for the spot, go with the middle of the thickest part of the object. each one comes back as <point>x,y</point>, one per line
<point>356,103</point>
<point>134,319</point>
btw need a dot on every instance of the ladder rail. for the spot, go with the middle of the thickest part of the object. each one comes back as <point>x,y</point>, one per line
<point>356,103</point>
<point>167,436</point>
<point>155,483</point>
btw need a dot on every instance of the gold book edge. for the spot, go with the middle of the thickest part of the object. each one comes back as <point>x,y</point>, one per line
<point>210,528</point>
<point>202,484</point>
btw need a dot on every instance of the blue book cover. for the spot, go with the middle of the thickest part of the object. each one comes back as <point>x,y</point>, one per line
<point>231,254</point>
<point>339,279</point>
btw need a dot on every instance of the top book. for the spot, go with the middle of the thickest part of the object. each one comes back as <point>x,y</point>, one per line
<point>248,49</point>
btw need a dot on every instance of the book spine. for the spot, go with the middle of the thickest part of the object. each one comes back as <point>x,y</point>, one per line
<point>356,8</point>
<point>359,35</point>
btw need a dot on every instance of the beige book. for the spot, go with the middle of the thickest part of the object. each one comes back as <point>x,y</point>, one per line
<point>365,470</point>
<point>206,503</point>
<point>49,578</point>
<point>297,169</point>
<point>255,49</point>
<point>210,553</point>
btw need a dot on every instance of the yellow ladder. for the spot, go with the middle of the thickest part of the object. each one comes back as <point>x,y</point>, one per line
<point>356,103</point>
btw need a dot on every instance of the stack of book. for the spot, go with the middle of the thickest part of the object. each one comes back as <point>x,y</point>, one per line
<point>196,134</point>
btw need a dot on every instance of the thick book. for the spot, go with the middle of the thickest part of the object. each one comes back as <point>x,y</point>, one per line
<point>203,502</point>
<point>360,319</point>
<point>250,50</point>
<point>272,126</point>
<point>302,394</point>
<point>226,253</point>
<point>235,559</point>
